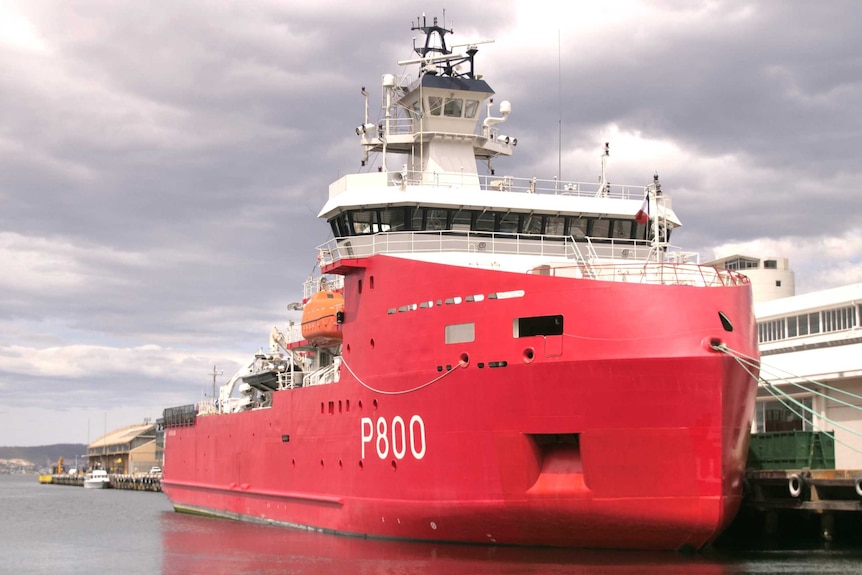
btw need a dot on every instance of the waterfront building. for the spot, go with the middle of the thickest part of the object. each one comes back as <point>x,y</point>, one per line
<point>130,449</point>
<point>813,337</point>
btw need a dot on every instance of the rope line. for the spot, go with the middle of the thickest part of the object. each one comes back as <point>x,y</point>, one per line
<point>748,362</point>
<point>776,371</point>
<point>417,388</point>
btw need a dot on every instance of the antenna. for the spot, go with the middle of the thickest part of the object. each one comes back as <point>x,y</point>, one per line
<point>215,373</point>
<point>559,108</point>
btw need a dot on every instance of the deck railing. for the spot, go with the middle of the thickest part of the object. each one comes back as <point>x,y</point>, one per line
<point>658,273</point>
<point>604,261</point>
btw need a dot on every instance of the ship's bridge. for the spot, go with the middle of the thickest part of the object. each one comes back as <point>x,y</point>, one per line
<point>434,121</point>
<point>446,104</point>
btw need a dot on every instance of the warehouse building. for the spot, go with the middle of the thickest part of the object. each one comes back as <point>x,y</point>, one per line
<point>130,449</point>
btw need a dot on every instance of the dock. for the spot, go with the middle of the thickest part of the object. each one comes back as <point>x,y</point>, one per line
<point>136,482</point>
<point>798,507</point>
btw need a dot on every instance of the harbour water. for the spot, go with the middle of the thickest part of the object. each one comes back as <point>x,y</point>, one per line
<point>56,529</point>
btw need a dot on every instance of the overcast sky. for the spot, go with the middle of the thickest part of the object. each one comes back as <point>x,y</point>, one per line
<point>162,163</point>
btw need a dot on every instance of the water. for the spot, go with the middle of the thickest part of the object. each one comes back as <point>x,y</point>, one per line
<point>69,530</point>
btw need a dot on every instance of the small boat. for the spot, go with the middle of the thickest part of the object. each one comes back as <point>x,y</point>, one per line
<point>98,479</point>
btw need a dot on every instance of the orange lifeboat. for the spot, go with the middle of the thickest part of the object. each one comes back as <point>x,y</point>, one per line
<point>320,323</point>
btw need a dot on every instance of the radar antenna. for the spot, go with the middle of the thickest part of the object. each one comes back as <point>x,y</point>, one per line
<point>435,51</point>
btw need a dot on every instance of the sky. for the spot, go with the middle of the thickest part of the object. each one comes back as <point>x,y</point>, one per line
<point>162,163</point>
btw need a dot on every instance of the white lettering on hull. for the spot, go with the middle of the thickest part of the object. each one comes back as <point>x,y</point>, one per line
<point>394,437</point>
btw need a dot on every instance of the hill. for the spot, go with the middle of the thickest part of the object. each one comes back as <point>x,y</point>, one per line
<point>46,455</point>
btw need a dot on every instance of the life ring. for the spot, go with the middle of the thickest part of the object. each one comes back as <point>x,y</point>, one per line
<point>794,485</point>
<point>858,483</point>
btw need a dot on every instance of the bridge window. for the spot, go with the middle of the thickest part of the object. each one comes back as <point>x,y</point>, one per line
<point>435,104</point>
<point>453,107</point>
<point>578,227</point>
<point>555,225</point>
<point>485,222</point>
<point>462,220</point>
<point>532,224</point>
<point>600,229</point>
<point>509,223</point>
<point>437,219</point>
<point>622,229</point>
<point>471,108</point>
<point>641,231</point>
<point>394,220</point>
<point>364,222</point>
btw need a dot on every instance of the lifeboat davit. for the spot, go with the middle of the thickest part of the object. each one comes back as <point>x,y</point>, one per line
<point>320,316</point>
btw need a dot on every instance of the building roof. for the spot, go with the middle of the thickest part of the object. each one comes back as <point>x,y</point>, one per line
<point>810,301</point>
<point>123,435</point>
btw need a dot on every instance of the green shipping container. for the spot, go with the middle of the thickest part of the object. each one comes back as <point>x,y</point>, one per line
<point>791,450</point>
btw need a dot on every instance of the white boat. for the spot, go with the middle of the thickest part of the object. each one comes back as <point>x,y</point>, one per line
<point>98,479</point>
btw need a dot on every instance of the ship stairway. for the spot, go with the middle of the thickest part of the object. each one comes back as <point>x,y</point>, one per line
<point>573,251</point>
<point>776,382</point>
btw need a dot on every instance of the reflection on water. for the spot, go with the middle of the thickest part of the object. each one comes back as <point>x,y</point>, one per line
<point>200,545</point>
<point>68,530</point>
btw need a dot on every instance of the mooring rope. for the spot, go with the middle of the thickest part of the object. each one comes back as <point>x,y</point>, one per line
<point>748,363</point>
<point>417,388</point>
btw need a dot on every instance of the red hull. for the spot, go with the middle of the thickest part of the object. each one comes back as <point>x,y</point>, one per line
<point>625,431</point>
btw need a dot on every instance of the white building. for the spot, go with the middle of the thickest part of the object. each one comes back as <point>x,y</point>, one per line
<point>814,337</point>
<point>771,278</point>
<point>803,338</point>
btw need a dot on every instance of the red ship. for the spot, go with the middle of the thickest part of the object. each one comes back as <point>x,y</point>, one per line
<point>483,358</point>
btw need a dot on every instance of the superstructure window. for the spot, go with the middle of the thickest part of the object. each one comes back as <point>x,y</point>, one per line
<point>509,223</point>
<point>578,228</point>
<point>364,222</point>
<point>622,229</point>
<point>641,231</point>
<point>532,224</point>
<point>394,220</point>
<point>485,222</point>
<point>437,219</point>
<point>453,107</point>
<point>435,104</point>
<point>537,325</point>
<point>417,219</point>
<point>555,225</point>
<point>471,108</point>
<point>462,220</point>
<point>600,229</point>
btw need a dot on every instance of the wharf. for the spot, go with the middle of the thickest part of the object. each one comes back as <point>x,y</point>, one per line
<point>149,482</point>
<point>824,504</point>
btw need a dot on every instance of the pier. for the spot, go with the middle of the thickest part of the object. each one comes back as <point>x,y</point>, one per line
<point>136,482</point>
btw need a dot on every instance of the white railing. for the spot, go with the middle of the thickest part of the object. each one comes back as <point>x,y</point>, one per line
<point>328,374</point>
<point>605,261</point>
<point>657,273</point>
<point>506,183</point>
<point>313,285</point>
<point>453,241</point>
